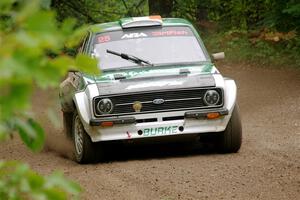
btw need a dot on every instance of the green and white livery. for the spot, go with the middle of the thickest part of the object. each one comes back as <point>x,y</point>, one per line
<point>157,81</point>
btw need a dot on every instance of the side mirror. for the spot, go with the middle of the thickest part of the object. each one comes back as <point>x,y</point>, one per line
<point>218,56</point>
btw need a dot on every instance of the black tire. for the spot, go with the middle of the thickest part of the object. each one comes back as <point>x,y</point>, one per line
<point>88,152</point>
<point>230,140</point>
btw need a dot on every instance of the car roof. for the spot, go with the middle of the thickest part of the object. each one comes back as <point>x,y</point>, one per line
<point>117,25</point>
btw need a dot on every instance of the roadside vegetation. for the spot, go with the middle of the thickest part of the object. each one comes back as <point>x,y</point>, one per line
<point>35,34</point>
<point>264,51</point>
<point>264,32</point>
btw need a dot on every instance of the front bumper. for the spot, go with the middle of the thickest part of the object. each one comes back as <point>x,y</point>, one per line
<point>130,120</point>
<point>191,121</point>
<point>166,124</point>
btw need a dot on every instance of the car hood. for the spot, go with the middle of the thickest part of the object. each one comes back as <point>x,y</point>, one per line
<point>156,78</point>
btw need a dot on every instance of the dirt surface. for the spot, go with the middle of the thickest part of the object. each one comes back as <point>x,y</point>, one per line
<point>267,166</point>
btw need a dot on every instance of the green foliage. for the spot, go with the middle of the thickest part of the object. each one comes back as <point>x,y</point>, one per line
<point>31,133</point>
<point>31,40</point>
<point>241,14</point>
<point>283,15</point>
<point>186,9</point>
<point>17,181</point>
<point>31,55</point>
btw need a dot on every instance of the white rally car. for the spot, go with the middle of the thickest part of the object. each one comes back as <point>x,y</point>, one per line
<point>157,81</point>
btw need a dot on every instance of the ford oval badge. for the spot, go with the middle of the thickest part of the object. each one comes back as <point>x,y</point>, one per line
<point>158,101</point>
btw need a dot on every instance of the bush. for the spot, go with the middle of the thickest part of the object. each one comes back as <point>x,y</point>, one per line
<point>243,47</point>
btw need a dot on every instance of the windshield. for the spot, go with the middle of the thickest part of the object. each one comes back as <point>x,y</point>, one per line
<point>157,45</point>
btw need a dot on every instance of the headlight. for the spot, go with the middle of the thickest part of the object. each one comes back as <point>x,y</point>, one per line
<point>105,106</point>
<point>211,97</point>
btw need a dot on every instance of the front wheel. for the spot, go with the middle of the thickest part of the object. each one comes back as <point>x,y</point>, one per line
<point>85,149</point>
<point>230,140</point>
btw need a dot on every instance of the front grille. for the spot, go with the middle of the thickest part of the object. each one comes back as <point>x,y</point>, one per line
<point>183,99</point>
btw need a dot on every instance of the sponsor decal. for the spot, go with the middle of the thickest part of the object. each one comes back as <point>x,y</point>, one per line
<point>168,130</point>
<point>158,101</point>
<point>128,135</point>
<point>155,84</point>
<point>169,33</point>
<point>137,106</point>
<point>133,35</point>
<point>146,33</point>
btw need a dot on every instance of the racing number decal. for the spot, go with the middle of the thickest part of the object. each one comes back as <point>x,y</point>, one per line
<point>104,38</point>
<point>160,131</point>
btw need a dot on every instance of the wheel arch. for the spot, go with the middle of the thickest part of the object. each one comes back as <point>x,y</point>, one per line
<point>230,94</point>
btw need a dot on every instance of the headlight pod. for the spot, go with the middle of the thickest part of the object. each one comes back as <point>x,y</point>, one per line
<point>105,106</point>
<point>211,97</point>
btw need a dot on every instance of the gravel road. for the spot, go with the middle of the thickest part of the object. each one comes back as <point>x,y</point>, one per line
<point>266,167</point>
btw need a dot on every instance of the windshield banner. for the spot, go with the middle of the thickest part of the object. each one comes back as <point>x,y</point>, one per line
<point>149,32</point>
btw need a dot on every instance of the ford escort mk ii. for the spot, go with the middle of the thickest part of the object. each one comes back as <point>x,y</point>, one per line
<point>157,82</point>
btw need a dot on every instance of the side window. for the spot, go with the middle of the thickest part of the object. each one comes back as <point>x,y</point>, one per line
<point>82,45</point>
<point>85,45</point>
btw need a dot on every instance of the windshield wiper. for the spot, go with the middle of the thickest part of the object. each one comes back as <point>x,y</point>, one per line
<point>130,57</point>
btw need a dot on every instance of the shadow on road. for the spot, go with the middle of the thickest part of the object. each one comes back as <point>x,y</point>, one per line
<point>125,152</point>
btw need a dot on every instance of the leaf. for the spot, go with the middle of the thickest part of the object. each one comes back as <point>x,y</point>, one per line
<point>76,37</point>
<point>56,179</point>
<point>27,9</point>
<point>41,22</point>
<point>55,193</point>
<point>62,63</point>
<point>35,181</point>
<point>31,133</point>
<point>45,4</point>
<point>67,26</point>
<point>87,64</point>
<point>15,97</point>
<point>3,131</point>
<point>28,40</point>
<point>293,10</point>
<point>17,181</point>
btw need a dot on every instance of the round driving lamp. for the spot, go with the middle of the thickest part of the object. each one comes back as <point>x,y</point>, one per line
<point>211,97</point>
<point>105,106</point>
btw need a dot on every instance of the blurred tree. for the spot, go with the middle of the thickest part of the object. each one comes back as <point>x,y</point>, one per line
<point>230,14</point>
<point>283,15</point>
<point>161,7</point>
<point>99,11</point>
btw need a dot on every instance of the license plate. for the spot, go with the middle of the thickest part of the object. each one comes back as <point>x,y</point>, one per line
<point>166,130</point>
